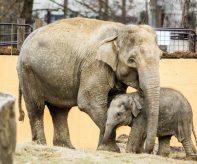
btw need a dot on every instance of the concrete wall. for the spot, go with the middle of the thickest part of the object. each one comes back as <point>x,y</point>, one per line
<point>179,74</point>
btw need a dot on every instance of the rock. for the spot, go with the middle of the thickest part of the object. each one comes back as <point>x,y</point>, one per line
<point>7,129</point>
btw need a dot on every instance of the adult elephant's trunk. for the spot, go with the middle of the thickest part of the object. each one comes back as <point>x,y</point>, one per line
<point>108,131</point>
<point>150,84</point>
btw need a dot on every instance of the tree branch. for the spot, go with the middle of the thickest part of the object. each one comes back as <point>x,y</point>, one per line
<point>57,3</point>
<point>61,5</point>
<point>86,5</point>
<point>8,10</point>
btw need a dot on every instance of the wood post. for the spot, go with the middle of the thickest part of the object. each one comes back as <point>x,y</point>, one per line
<point>7,128</point>
<point>20,33</point>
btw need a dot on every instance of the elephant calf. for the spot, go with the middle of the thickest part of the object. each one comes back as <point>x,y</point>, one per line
<point>175,118</point>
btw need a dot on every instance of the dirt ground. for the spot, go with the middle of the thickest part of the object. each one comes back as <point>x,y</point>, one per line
<point>179,55</point>
<point>32,153</point>
<point>9,51</point>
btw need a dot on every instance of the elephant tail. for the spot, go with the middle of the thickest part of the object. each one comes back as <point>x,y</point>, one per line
<point>21,112</point>
<point>194,133</point>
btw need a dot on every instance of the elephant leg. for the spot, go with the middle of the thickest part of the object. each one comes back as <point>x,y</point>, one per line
<point>99,118</point>
<point>164,146</point>
<point>34,101</point>
<point>36,122</point>
<point>93,100</point>
<point>135,143</point>
<point>61,135</point>
<point>189,147</point>
<point>111,145</point>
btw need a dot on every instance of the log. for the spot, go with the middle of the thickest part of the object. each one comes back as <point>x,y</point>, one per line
<point>7,129</point>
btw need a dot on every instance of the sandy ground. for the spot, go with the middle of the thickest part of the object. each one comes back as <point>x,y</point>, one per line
<point>31,153</point>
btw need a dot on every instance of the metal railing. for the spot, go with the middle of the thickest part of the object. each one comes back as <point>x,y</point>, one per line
<point>169,39</point>
<point>176,39</point>
<point>12,34</point>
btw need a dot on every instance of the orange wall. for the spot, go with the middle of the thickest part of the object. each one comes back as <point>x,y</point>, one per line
<point>178,74</point>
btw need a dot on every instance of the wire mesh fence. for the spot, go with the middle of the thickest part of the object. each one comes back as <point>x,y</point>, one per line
<point>169,39</point>
<point>12,33</point>
<point>176,39</point>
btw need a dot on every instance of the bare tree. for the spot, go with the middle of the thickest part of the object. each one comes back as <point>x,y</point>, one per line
<point>10,10</point>
<point>155,13</point>
<point>68,12</point>
<point>101,9</point>
<point>27,10</point>
<point>98,9</point>
<point>123,11</point>
<point>159,12</point>
<point>65,8</point>
<point>185,14</point>
<point>106,7</point>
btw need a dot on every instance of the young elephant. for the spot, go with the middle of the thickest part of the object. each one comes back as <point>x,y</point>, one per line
<point>175,118</point>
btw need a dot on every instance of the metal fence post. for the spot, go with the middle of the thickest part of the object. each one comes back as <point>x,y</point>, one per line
<point>20,33</point>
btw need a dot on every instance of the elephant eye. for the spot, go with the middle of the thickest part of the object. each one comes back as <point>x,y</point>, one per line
<point>131,60</point>
<point>119,114</point>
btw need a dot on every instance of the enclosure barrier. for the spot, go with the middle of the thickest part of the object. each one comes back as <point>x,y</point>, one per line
<point>176,39</point>
<point>12,35</point>
<point>170,40</point>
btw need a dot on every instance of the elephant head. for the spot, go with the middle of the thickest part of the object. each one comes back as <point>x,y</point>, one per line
<point>122,110</point>
<point>133,54</point>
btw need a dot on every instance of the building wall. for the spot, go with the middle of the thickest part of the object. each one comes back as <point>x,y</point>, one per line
<point>180,74</point>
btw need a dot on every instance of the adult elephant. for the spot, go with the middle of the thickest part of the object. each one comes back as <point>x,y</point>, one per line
<point>84,62</point>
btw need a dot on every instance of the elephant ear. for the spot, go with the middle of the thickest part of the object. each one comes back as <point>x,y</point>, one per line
<point>107,52</point>
<point>136,107</point>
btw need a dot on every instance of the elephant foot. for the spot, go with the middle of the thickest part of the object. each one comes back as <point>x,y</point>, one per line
<point>109,147</point>
<point>163,154</point>
<point>192,157</point>
<point>63,144</point>
<point>40,141</point>
<point>133,150</point>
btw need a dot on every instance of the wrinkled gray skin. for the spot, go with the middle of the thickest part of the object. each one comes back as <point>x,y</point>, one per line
<point>175,119</point>
<point>86,62</point>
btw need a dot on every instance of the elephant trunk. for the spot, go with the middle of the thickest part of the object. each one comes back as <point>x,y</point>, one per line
<point>108,131</point>
<point>150,84</point>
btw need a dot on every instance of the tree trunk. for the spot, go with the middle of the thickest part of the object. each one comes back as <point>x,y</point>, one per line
<point>147,16</point>
<point>65,8</point>
<point>27,11</point>
<point>185,13</point>
<point>158,16</point>
<point>100,9</point>
<point>123,11</point>
<point>7,128</point>
<point>155,13</point>
<point>105,15</point>
<point>152,12</point>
